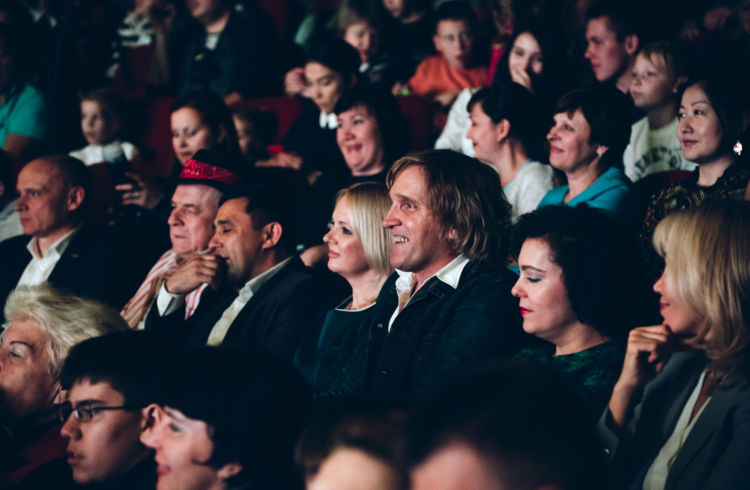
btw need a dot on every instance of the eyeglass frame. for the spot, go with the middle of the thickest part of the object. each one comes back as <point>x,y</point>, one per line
<point>66,409</point>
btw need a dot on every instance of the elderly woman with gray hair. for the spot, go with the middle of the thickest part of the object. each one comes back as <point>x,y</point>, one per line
<point>42,325</point>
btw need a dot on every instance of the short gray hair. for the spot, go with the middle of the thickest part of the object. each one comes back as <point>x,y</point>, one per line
<point>68,319</point>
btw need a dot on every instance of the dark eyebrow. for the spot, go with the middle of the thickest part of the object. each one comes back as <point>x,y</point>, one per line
<point>223,222</point>
<point>530,267</point>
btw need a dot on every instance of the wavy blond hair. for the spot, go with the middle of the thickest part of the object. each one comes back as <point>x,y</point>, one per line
<point>707,255</point>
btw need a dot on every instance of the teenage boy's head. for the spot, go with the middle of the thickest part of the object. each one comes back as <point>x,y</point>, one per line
<point>109,381</point>
<point>612,41</point>
<point>659,70</point>
<point>455,25</point>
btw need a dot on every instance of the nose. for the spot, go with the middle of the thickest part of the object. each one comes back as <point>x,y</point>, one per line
<point>328,237</point>
<point>175,218</point>
<point>589,52</point>
<point>684,125</point>
<point>21,203</point>
<point>215,242</point>
<point>391,218</point>
<point>153,426</point>
<point>552,135</point>
<point>71,428</point>
<point>517,289</point>
<point>660,283</point>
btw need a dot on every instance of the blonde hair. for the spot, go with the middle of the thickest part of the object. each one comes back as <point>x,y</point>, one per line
<point>67,318</point>
<point>368,204</point>
<point>707,255</point>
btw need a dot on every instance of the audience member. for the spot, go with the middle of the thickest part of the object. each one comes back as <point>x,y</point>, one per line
<point>230,53</point>
<point>712,122</point>
<point>612,39</point>
<point>586,143</point>
<point>102,125</point>
<point>211,430</point>
<point>25,118</point>
<point>507,135</point>
<point>410,27</point>
<point>533,60</point>
<point>354,446</point>
<point>567,257</point>
<point>256,130</point>
<point>10,224</point>
<point>43,324</point>
<point>262,297</point>
<point>106,391</point>
<point>332,67</point>
<point>449,304</point>
<point>457,65</point>
<point>195,202</point>
<point>63,250</point>
<point>517,428</point>
<point>678,414</point>
<point>359,250</point>
<point>659,70</point>
<point>371,133</point>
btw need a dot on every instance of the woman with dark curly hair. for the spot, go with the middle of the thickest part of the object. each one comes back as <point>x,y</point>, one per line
<point>579,290</point>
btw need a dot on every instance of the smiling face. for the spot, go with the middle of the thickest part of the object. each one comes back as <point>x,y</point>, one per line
<point>346,256</point>
<point>652,84</point>
<point>608,56</point>
<point>483,134</point>
<point>183,448</point>
<point>27,387</point>
<point>544,301</point>
<point>526,55</point>
<point>45,201</point>
<point>190,134</point>
<point>699,128</point>
<point>454,41</point>
<point>418,245</point>
<point>97,126</point>
<point>570,148</point>
<point>681,318</point>
<point>191,222</point>
<point>323,85</point>
<point>107,446</point>
<point>237,241</point>
<point>364,38</point>
<point>359,140</point>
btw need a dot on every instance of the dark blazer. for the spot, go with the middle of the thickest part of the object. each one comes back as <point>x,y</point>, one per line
<point>715,453</point>
<point>91,266</point>
<point>273,320</point>
<point>440,332</point>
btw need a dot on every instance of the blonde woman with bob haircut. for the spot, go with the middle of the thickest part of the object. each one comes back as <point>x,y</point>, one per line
<point>679,415</point>
<point>359,250</point>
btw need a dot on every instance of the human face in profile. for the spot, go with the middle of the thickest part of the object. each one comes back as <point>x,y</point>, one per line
<point>699,128</point>
<point>323,85</point>
<point>346,255</point>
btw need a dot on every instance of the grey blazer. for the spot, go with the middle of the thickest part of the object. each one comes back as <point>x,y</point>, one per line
<point>716,453</point>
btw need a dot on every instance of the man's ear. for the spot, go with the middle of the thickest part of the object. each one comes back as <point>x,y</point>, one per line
<point>229,470</point>
<point>60,394</point>
<point>271,234</point>
<point>631,44</point>
<point>601,150</point>
<point>678,83</point>
<point>75,198</point>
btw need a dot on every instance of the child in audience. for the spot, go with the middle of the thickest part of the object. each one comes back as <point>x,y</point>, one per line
<point>255,132</point>
<point>455,68</point>
<point>658,71</point>
<point>102,124</point>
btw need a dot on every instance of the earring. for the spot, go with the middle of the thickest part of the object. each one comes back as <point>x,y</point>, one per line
<point>737,148</point>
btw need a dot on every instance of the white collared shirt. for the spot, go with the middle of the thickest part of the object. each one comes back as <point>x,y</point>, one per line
<point>328,121</point>
<point>39,269</point>
<point>450,274</point>
<point>216,337</point>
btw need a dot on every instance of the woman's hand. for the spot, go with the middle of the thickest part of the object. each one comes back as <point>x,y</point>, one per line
<point>521,77</point>
<point>139,192</point>
<point>295,82</point>
<point>648,351</point>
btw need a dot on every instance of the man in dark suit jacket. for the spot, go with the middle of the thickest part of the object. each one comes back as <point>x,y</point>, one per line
<point>62,250</point>
<point>262,297</point>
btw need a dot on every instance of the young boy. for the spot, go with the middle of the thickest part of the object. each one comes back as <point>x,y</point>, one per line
<point>107,386</point>
<point>658,71</point>
<point>444,75</point>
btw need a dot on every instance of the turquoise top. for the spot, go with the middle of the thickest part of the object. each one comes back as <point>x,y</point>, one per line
<point>610,192</point>
<point>24,111</point>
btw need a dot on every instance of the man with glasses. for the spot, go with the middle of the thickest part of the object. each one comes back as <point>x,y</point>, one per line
<point>43,325</point>
<point>106,389</point>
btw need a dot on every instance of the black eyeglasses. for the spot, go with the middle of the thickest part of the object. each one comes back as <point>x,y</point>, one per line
<point>85,411</point>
